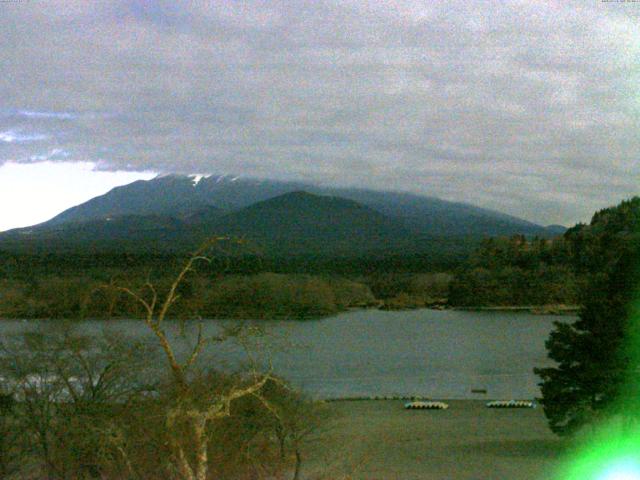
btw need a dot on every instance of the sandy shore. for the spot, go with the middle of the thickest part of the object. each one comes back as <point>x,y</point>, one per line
<point>381,440</point>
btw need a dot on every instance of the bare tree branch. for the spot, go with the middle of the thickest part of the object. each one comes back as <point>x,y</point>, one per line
<point>200,343</point>
<point>139,299</point>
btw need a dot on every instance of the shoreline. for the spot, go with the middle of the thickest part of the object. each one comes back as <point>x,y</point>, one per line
<point>560,310</point>
<point>552,309</point>
<point>417,398</point>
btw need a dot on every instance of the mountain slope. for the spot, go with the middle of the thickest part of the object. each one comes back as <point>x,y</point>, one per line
<point>183,196</point>
<point>125,233</point>
<point>300,222</point>
<point>293,223</point>
<point>170,195</point>
<point>437,217</point>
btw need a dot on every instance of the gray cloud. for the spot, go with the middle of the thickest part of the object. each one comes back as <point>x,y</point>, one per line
<point>529,107</point>
<point>16,136</point>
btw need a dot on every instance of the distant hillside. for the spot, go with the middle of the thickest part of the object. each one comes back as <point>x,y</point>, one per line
<point>293,223</point>
<point>126,233</point>
<point>434,217</point>
<point>168,195</point>
<point>517,271</point>
<point>185,196</point>
<point>300,222</point>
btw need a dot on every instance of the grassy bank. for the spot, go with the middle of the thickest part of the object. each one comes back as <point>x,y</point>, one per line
<point>381,440</point>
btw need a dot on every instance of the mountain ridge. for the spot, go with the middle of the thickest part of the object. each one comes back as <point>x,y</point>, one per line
<point>174,212</point>
<point>180,195</point>
<point>293,223</point>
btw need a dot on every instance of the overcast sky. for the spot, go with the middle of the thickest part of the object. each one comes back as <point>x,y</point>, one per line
<point>528,107</point>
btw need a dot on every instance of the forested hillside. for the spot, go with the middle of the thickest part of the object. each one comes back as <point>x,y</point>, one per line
<point>501,272</point>
<point>518,271</point>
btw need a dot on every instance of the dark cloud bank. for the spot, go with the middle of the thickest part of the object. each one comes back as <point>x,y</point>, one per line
<point>529,107</point>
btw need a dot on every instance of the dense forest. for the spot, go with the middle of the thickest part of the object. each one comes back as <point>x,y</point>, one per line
<point>80,284</point>
<point>500,272</point>
<point>85,286</point>
<point>517,271</point>
<point>521,271</point>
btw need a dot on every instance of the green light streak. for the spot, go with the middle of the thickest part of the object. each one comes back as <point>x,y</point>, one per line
<point>612,455</point>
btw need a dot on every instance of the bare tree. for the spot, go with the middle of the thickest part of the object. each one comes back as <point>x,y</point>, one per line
<point>296,420</point>
<point>8,432</point>
<point>84,409</point>
<point>68,388</point>
<point>190,453</point>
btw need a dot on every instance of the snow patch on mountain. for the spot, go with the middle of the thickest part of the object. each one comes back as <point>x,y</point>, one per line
<point>197,177</point>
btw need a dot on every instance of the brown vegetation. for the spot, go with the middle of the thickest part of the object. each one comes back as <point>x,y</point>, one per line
<point>257,296</point>
<point>80,409</point>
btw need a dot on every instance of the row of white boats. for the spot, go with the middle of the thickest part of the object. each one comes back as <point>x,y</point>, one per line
<point>429,405</point>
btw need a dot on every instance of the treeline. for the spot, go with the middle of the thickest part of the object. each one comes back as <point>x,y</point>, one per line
<point>396,291</point>
<point>521,271</point>
<point>517,271</point>
<point>257,296</point>
<point>236,283</point>
<point>436,254</point>
<point>265,295</point>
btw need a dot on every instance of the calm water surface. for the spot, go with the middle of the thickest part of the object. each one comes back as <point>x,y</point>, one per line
<point>439,354</point>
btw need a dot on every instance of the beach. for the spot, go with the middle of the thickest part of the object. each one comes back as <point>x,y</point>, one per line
<point>379,439</point>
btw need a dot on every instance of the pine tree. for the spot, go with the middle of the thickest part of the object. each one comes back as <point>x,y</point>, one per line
<point>596,355</point>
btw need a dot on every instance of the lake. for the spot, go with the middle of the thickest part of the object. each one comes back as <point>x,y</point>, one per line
<point>437,354</point>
